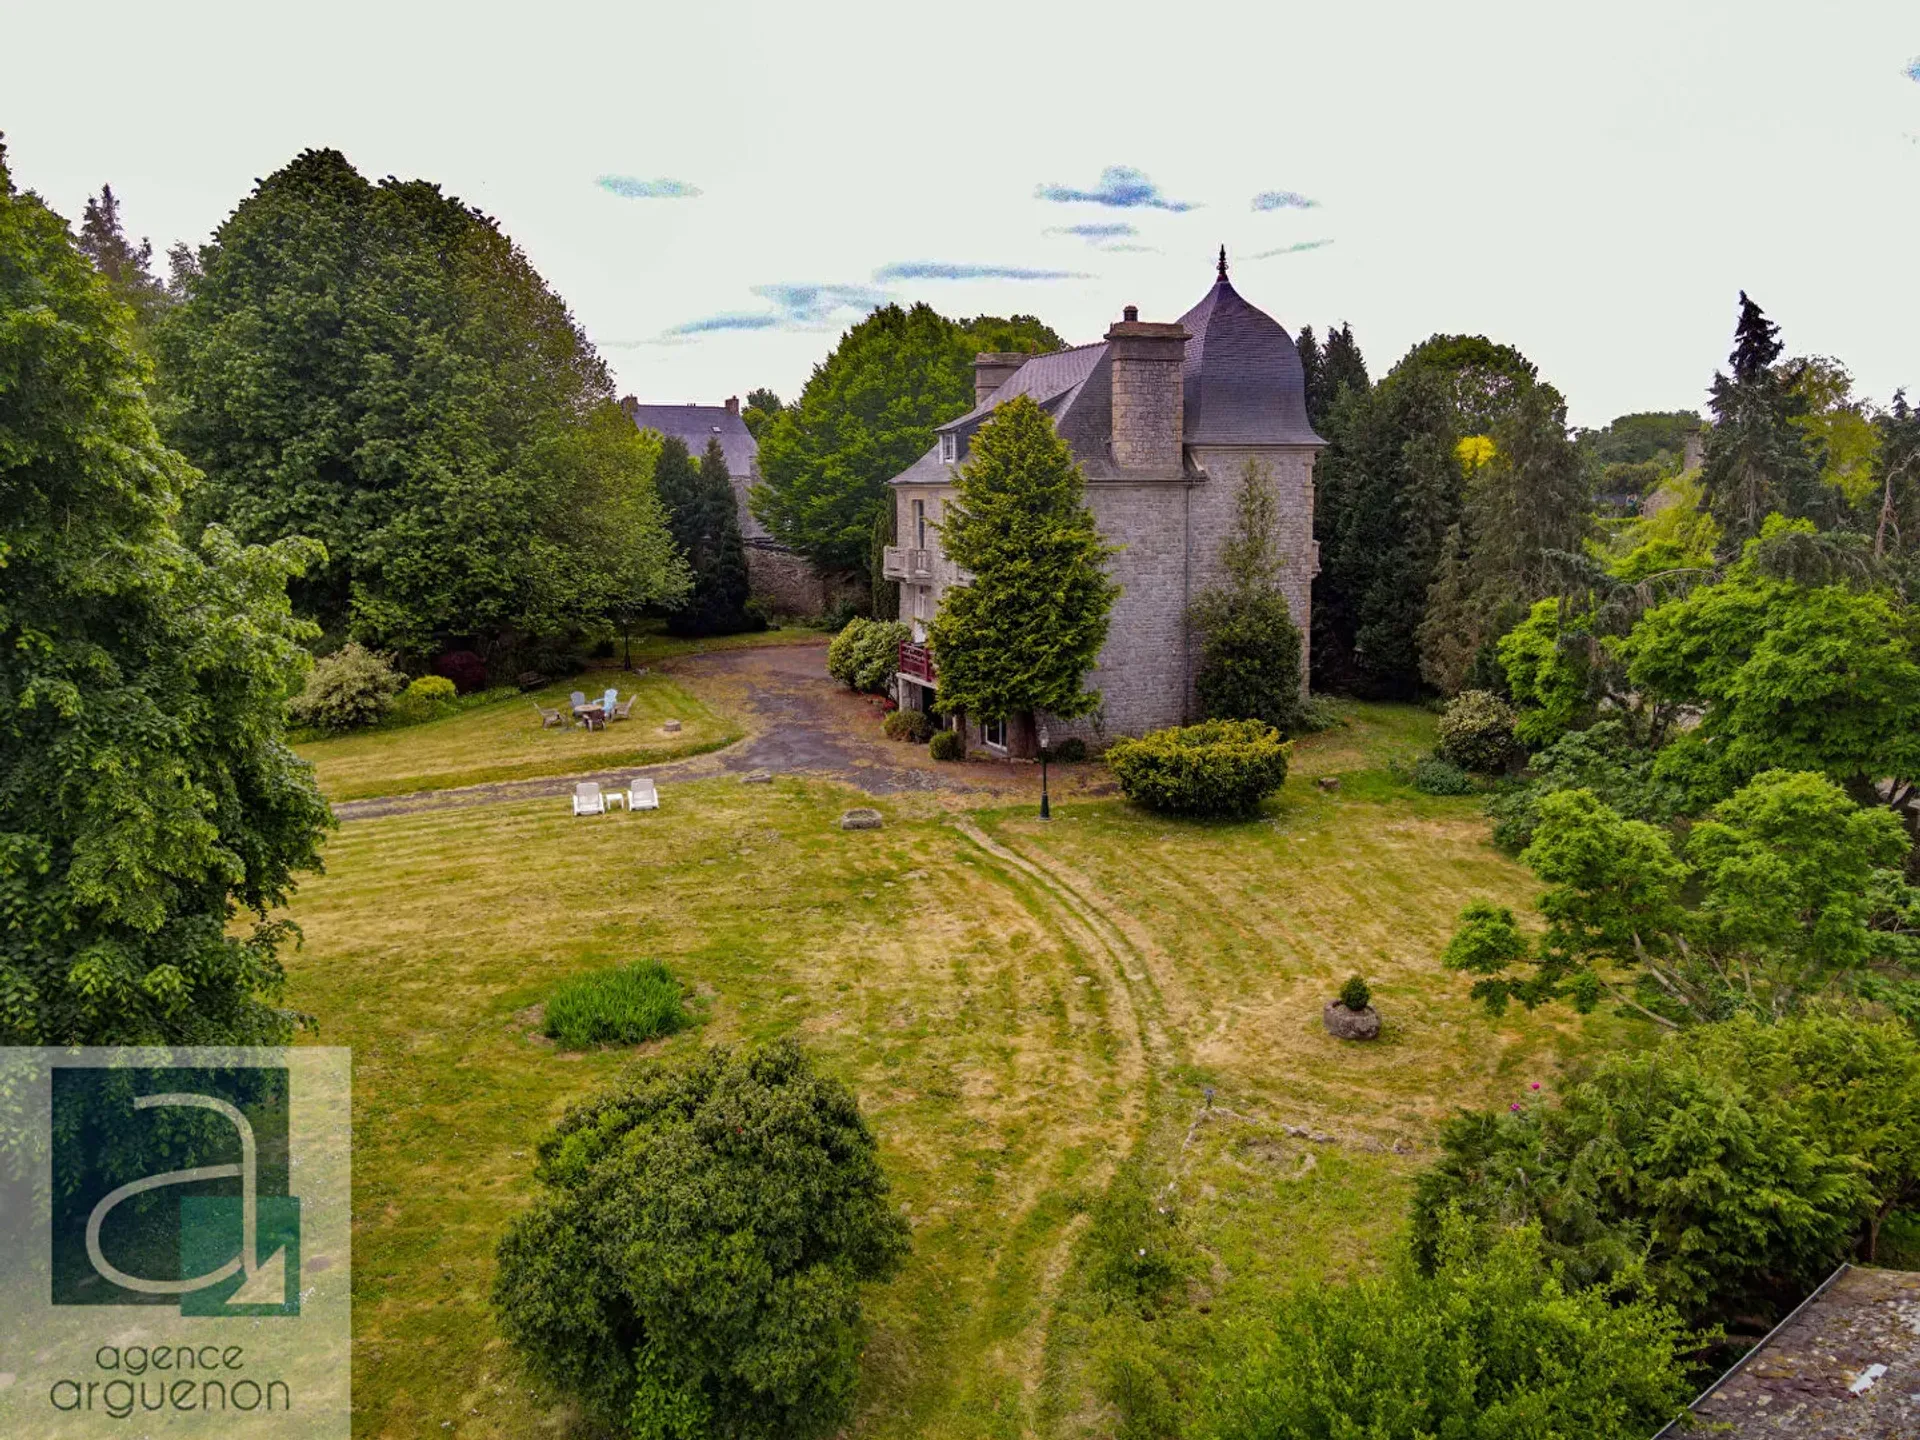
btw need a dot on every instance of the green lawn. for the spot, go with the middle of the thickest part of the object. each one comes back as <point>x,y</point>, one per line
<point>1018,1007</point>
<point>505,740</point>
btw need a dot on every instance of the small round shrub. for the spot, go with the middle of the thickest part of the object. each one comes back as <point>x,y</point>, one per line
<point>1219,767</point>
<point>427,698</point>
<point>1354,994</point>
<point>466,670</point>
<point>1434,776</point>
<point>914,725</point>
<point>947,745</point>
<point>1476,732</point>
<point>1070,751</point>
<point>350,688</point>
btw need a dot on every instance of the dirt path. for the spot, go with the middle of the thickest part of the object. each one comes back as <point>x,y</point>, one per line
<point>799,722</point>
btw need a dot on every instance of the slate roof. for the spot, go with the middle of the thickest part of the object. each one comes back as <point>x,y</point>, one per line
<point>695,425</point>
<point>1844,1366</point>
<point>1244,385</point>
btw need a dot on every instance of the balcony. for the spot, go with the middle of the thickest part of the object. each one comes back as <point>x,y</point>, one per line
<point>916,662</point>
<point>899,562</point>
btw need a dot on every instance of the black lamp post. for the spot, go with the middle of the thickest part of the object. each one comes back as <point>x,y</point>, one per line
<point>1046,810</point>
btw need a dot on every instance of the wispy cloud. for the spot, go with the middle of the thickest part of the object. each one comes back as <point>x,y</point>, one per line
<point>818,304</point>
<point>632,187</point>
<point>1121,186</point>
<point>1913,68</point>
<point>795,307</point>
<point>941,270</point>
<point>1131,249</point>
<point>1094,233</point>
<point>1291,249</point>
<point>1282,200</point>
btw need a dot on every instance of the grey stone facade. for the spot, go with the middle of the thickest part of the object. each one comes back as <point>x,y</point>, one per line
<point>1163,419</point>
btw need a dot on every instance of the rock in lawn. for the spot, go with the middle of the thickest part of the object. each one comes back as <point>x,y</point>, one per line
<point>672,727</point>
<point>1345,1024</point>
<point>757,777</point>
<point>1328,783</point>
<point>860,819</point>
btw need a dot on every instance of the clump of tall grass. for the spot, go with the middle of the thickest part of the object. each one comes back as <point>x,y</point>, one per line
<point>621,1006</point>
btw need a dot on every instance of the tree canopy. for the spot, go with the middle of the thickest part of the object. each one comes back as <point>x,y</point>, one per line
<point>868,412</point>
<point>379,367</point>
<point>692,1265</point>
<point>146,797</point>
<point>1022,633</point>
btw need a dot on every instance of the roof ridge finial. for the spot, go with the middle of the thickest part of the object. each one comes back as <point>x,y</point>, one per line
<point>1223,262</point>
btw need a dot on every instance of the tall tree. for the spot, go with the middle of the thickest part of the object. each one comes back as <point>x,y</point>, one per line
<point>1390,487</point>
<point>128,268</point>
<point>1525,501</point>
<point>868,412</point>
<point>1021,636</point>
<point>1342,364</point>
<point>1893,500</point>
<point>146,796</point>
<point>762,406</point>
<point>700,513</point>
<point>1759,459</point>
<point>1249,646</point>
<point>378,366</point>
<point>1313,373</point>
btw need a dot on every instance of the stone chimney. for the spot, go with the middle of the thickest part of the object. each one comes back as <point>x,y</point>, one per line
<point>1149,393</point>
<point>733,405</point>
<point>992,369</point>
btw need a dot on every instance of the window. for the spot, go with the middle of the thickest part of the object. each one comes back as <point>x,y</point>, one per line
<point>949,447</point>
<point>920,597</point>
<point>920,524</point>
<point>994,734</point>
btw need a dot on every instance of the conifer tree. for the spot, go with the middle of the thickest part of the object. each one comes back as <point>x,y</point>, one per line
<point>1342,364</point>
<point>1249,646</point>
<point>1313,372</point>
<point>700,512</point>
<point>1758,460</point>
<point>128,268</point>
<point>1021,636</point>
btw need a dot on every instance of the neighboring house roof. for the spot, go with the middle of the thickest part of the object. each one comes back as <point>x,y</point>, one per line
<point>695,425</point>
<point>1243,382</point>
<point>1844,1366</point>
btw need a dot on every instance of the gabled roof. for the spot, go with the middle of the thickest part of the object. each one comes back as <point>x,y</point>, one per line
<point>694,425</point>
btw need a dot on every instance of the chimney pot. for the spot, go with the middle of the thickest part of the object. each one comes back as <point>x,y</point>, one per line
<point>1130,314</point>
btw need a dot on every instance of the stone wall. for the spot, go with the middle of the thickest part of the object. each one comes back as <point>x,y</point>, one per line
<point>1170,533</point>
<point>789,585</point>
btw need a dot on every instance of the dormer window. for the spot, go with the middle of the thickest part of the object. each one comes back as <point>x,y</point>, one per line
<point>949,448</point>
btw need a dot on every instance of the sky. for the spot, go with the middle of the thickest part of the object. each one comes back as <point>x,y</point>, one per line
<point>718,190</point>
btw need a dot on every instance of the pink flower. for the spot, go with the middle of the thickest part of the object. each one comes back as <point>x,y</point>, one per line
<point>1534,1086</point>
<point>1514,1107</point>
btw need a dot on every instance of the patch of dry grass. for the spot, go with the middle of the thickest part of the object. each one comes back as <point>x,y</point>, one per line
<point>1017,1005</point>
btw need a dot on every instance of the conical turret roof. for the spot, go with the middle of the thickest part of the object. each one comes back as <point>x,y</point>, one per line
<point>1244,381</point>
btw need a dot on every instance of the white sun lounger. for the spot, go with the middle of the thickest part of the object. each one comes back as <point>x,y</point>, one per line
<point>587,799</point>
<point>642,796</point>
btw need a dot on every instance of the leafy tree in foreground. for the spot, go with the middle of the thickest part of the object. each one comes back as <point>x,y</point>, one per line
<point>1491,1344</point>
<point>762,406</point>
<point>146,796</point>
<point>866,414</point>
<point>1729,1168</point>
<point>692,1266</point>
<point>705,525</point>
<point>1249,647</point>
<point>1021,636</point>
<point>1789,891</point>
<point>377,366</point>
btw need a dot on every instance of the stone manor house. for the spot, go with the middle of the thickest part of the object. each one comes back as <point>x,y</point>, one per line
<point>1162,419</point>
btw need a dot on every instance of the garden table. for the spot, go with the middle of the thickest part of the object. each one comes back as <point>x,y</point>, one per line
<point>594,715</point>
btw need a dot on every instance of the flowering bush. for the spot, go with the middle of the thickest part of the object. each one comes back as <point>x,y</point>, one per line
<point>1476,732</point>
<point>350,688</point>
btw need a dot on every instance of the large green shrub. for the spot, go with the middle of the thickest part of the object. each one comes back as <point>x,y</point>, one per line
<point>1249,646</point>
<point>1604,758</point>
<point>865,653</point>
<point>351,688</point>
<point>1490,1345</point>
<point>1434,776</point>
<point>427,698</point>
<point>623,1006</point>
<point>947,745</point>
<point>1476,732</point>
<point>1219,767</point>
<point>692,1264</point>
<point>1737,1163</point>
